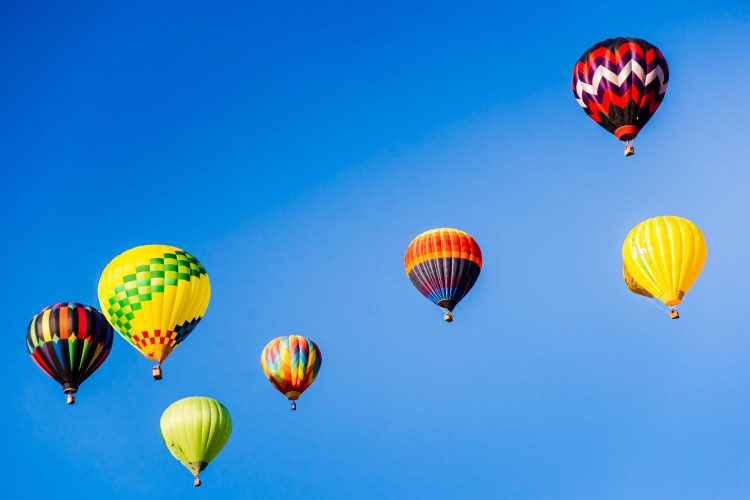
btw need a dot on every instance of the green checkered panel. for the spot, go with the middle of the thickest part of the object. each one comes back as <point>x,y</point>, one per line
<point>149,278</point>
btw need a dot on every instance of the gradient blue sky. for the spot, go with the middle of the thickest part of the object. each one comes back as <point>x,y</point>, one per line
<point>296,150</point>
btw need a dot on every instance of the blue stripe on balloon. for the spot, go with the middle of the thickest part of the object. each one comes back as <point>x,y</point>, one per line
<point>445,294</point>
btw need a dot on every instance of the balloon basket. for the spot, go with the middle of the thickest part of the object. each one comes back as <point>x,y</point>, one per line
<point>71,399</point>
<point>293,406</point>
<point>629,149</point>
<point>197,481</point>
<point>156,372</point>
<point>674,314</point>
<point>448,317</point>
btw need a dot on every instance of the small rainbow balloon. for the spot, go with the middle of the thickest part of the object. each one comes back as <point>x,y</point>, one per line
<point>291,364</point>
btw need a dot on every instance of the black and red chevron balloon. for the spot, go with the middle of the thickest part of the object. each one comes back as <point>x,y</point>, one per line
<point>620,84</point>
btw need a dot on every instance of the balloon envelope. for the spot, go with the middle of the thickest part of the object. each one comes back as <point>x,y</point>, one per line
<point>443,264</point>
<point>665,255</point>
<point>154,296</point>
<point>291,364</point>
<point>195,430</point>
<point>69,341</point>
<point>620,84</point>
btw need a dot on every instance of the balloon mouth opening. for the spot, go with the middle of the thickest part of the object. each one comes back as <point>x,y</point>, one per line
<point>158,355</point>
<point>447,304</point>
<point>626,132</point>
<point>197,467</point>
<point>293,395</point>
<point>672,299</point>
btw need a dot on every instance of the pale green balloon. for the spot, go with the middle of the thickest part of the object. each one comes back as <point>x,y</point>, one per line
<point>195,430</point>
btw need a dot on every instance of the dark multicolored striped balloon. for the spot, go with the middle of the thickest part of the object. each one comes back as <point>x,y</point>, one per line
<point>69,341</point>
<point>620,84</point>
<point>443,264</point>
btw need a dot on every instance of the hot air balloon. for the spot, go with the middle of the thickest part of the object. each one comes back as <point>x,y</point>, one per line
<point>154,296</point>
<point>632,285</point>
<point>291,364</point>
<point>195,430</point>
<point>664,256</point>
<point>443,264</point>
<point>620,84</point>
<point>69,341</point>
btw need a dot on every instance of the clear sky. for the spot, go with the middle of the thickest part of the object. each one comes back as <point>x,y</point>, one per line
<point>295,149</point>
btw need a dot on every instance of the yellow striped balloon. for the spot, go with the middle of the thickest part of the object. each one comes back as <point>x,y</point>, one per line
<point>664,256</point>
<point>154,296</point>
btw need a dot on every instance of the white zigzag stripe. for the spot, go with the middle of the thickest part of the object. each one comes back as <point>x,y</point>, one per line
<point>604,72</point>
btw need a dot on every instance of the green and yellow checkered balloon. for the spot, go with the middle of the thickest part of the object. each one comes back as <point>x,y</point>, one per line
<point>154,296</point>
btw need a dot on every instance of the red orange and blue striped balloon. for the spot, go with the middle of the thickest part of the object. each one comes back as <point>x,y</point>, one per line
<point>443,264</point>
<point>291,364</point>
<point>69,341</point>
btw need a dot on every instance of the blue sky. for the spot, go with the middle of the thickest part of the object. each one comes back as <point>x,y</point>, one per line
<point>296,150</point>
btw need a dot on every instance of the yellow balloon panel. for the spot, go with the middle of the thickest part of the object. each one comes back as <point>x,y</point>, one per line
<point>665,255</point>
<point>154,296</point>
<point>632,285</point>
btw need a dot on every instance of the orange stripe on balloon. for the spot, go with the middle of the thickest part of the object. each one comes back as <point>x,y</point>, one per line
<point>64,323</point>
<point>443,255</point>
